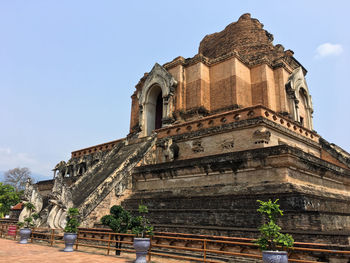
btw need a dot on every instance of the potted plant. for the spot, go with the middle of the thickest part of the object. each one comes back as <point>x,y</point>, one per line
<point>27,223</point>
<point>140,226</point>
<point>119,221</point>
<point>270,237</point>
<point>71,229</point>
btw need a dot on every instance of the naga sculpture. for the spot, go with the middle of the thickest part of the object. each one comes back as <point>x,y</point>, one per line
<point>60,201</point>
<point>32,195</point>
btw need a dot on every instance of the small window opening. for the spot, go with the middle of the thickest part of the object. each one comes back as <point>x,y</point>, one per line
<point>159,111</point>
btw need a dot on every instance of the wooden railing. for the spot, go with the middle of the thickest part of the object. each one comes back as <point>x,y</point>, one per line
<point>201,248</point>
<point>4,228</point>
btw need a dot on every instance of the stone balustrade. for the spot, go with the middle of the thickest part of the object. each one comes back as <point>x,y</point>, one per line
<point>100,147</point>
<point>212,121</point>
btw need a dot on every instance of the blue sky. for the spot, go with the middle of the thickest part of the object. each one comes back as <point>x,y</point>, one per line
<point>68,68</point>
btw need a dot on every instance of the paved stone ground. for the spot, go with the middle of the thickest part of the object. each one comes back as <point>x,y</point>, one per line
<point>12,252</point>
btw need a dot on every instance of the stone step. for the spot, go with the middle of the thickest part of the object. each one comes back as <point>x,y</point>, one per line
<point>116,170</point>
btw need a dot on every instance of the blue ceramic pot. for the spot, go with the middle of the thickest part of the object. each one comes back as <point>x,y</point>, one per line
<point>141,246</point>
<point>24,234</point>
<point>275,257</point>
<point>69,239</point>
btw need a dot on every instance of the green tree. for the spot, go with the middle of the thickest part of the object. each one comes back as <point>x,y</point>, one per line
<point>73,221</point>
<point>119,221</point>
<point>140,225</point>
<point>8,198</point>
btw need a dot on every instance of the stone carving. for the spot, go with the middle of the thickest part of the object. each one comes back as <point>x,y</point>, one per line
<point>81,167</point>
<point>32,195</point>
<point>121,187</point>
<point>44,213</point>
<point>60,200</point>
<point>261,136</point>
<point>61,167</point>
<point>165,151</point>
<point>77,166</point>
<point>228,144</point>
<point>170,150</point>
<point>296,86</point>
<point>150,158</point>
<point>197,146</point>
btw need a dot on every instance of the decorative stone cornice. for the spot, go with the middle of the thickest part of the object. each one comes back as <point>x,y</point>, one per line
<point>234,116</point>
<point>240,159</point>
<point>160,76</point>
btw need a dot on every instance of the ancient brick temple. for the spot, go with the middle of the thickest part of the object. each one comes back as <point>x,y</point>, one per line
<point>209,135</point>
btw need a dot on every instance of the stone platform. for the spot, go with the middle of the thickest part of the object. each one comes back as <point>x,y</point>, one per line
<point>12,251</point>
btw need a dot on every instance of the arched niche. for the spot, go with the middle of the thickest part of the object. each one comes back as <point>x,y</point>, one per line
<point>159,87</point>
<point>153,109</point>
<point>303,107</point>
<point>299,99</point>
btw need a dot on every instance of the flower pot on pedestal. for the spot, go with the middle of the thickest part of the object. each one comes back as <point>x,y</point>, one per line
<point>24,234</point>
<point>69,240</point>
<point>275,256</point>
<point>141,246</point>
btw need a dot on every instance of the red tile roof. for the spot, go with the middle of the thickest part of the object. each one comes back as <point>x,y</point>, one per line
<point>19,206</point>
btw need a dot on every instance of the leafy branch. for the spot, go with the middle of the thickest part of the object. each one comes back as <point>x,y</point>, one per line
<point>270,236</point>
<point>140,225</point>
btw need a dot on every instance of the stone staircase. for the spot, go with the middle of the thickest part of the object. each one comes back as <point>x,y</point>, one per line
<point>113,169</point>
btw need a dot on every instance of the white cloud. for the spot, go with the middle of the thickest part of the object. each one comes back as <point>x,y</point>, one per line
<point>10,160</point>
<point>328,49</point>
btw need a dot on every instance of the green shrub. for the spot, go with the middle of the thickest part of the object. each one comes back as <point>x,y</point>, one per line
<point>73,221</point>
<point>8,198</point>
<point>140,225</point>
<point>270,236</point>
<point>29,221</point>
<point>118,219</point>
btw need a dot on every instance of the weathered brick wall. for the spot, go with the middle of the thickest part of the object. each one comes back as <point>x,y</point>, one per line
<point>134,119</point>
<point>217,194</point>
<point>329,158</point>
<point>238,66</point>
<point>101,210</point>
<point>246,36</point>
<point>242,135</point>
